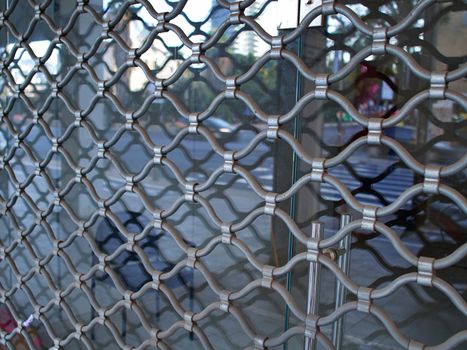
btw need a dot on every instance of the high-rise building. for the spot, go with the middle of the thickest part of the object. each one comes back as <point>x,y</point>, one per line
<point>247,41</point>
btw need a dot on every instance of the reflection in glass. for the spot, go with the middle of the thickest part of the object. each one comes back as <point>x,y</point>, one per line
<point>127,192</point>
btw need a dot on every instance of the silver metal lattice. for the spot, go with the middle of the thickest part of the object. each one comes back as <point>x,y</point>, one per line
<point>58,190</point>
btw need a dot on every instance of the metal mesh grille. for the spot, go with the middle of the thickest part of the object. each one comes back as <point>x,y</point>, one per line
<point>315,249</point>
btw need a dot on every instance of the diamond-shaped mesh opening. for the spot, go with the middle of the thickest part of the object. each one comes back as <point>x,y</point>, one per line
<point>131,153</point>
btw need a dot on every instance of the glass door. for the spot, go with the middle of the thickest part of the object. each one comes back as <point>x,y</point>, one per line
<point>212,175</point>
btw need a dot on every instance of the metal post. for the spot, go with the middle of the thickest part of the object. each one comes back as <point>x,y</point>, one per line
<point>343,262</point>
<point>312,305</point>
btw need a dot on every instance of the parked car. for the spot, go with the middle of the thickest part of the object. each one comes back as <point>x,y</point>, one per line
<point>218,126</point>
